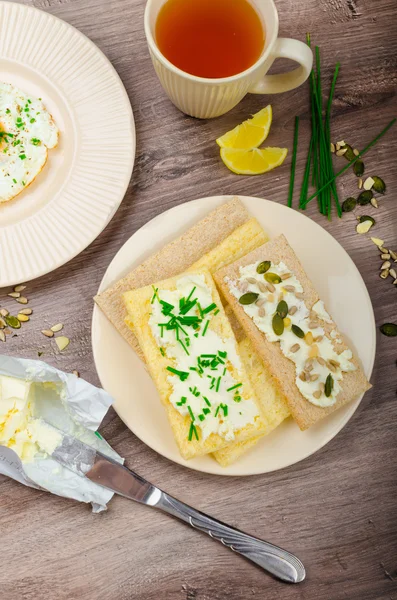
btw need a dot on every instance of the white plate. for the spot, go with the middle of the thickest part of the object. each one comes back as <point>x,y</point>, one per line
<point>338,282</point>
<point>87,175</point>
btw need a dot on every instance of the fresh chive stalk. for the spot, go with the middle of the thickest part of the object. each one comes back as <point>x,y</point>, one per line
<point>293,162</point>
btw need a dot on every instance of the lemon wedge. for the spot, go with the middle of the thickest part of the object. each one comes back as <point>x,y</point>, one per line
<point>254,161</point>
<point>250,134</point>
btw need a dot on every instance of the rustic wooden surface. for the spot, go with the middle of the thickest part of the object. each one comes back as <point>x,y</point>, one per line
<point>337,509</point>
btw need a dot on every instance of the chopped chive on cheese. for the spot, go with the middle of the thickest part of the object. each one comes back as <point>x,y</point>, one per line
<point>234,387</point>
<point>193,431</point>
<point>217,410</point>
<point>183,375</point>
<point>208,403</point>
<point>218,383</point>
<point>155,290</point>
<point>209,308</point>
<point>201,417</point>
<point>162,352</point>
<point>205,328</point>
<point>191,413</point>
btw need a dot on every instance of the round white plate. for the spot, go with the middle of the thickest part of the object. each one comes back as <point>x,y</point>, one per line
<point>86,176</point>
<point>338,282</point>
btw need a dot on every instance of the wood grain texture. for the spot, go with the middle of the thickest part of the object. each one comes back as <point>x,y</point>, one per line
<point>337,509</point>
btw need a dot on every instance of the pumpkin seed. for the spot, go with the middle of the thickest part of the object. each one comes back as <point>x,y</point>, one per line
<point>358,168</point>
<point>384,274</point>
<point>348,152</point>
<point>248,298</point>
<point>62,342</point>
<point>293,310</point>
<point>365,197</point>
<point>386,265</point>
<point>368,183</point>
<point>272,278</point>
<point>14,294</point>
<point>23,318</point>
<point>329,385</point>
<point>271,288</point>
<point>374,203</point>
<point>26,311</point>
<point>282,309</point>
<point>12,322</point>
<point>263,267</point>
<point>389,329</point>
<point>4,312</point>
<point>2,336</point>
<point>298,331</point>
<point>251,280</point>
<point>19,288</point>
<point>378,185</point>
<point>48,333</point>
<point>317,394</point>
<point>294,348</point>
<point>349,204</point>
<point>365,226</point>
<point>278,324</point>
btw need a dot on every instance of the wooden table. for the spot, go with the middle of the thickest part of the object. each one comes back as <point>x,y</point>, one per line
<point>337,509</point>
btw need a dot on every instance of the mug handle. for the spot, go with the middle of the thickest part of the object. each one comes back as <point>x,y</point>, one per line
<point>283,82</point>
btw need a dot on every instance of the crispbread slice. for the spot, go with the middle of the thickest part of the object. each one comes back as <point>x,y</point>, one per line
<point>176,257</point>
<point>282,369</point>
<point>139,309</point>
<point>273,405</point>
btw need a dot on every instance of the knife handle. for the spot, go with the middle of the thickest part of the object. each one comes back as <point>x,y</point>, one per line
<point>278,562</point>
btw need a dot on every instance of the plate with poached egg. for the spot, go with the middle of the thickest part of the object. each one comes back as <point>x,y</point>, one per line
<point>58,188</point>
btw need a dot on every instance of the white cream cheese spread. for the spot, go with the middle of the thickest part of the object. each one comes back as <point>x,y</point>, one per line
<point>204,367</point>
<point>319,368</point>
<point>19,429</point>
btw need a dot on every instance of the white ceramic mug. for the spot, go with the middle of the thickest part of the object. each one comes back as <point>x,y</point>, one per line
<point>204,97</point>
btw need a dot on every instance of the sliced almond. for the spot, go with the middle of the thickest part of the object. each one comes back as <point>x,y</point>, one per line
<point>4,312</point>
<point>22,300</point>
<point>393,255</point>
<point>48,333</point>
<point>14,294</point>
<point>364,226</point>
<point>368,183</point>
<point>57,327</point>
<point>62,342</point>
<point>23,318</point>
<point>26,311</point>
<point>377,241</point>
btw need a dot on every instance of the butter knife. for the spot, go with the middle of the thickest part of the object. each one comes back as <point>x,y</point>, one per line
<point>86,461</point>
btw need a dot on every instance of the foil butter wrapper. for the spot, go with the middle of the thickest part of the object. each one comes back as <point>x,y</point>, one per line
<point>75,407</point>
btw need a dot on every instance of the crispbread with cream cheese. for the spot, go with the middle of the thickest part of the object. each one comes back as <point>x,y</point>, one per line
<point>193,246</point>
<point>139,304</point>
<point>282,368</point>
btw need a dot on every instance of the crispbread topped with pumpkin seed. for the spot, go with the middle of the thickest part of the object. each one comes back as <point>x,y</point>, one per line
<point>283,316</point>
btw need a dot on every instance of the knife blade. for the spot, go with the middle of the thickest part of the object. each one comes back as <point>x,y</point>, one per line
<point>88,462</point>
